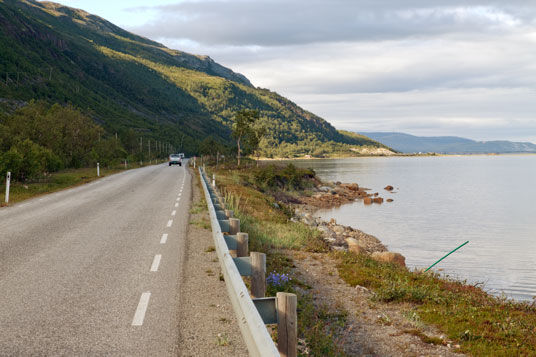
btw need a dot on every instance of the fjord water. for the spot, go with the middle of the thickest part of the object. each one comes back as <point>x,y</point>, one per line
<point>441,202</point>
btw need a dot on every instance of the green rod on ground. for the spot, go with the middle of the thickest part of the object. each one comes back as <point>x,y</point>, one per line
<point>431,266</point>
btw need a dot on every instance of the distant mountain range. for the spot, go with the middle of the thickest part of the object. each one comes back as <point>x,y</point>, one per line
<point>406,143</point>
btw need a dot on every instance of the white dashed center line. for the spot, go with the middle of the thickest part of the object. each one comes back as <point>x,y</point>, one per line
<point>176,205</point>
<point>169,223</point>
<point>142,308</point>
<point>164,239</point>
<point>156,262</point>
<point>174,212</point>
<point>178,198</point>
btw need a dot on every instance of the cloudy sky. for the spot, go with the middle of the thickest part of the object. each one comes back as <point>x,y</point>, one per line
<point>424,67</point>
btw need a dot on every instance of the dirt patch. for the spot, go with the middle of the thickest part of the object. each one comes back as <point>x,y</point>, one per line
<point>208,323</point>
<point>371,328</point>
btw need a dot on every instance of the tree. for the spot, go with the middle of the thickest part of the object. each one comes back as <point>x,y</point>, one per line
<point>254,140</point>
<point>242,127</point>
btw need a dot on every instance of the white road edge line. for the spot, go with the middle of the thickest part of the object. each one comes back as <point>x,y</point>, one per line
<point>169,223</point>
<point>174,212</point>
<point>156,262</point>
<point>164,238</point>
<point>142,308</point>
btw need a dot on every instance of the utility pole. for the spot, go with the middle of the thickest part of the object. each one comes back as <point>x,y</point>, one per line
<point>149,145</point>
<point>141,145</point>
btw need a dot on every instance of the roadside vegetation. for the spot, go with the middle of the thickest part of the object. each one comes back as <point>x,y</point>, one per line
<point>38,139</point>
<point>267,224</point>
<point>20,191</point>
<point>483,325</point>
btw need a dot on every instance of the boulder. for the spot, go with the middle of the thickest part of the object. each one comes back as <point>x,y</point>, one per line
<point>389,257</point>
<point>367,200</point>
<point>310,221</point>
<point>388,188</point>
<point>354,247</point>
<point>377,200</point>
<point>324,230</point>
<point>338,229</point>
<point>389,200</point>
<point>351,186</point>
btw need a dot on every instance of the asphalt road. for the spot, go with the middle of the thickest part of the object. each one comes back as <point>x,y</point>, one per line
<point>95,270</point>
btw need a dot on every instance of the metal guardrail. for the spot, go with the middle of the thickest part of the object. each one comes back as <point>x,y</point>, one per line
<point>252,325</point>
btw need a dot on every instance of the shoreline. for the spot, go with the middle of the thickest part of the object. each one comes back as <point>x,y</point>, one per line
<point>267,159</point>
<point>333,280</point>
<point>337,236</point>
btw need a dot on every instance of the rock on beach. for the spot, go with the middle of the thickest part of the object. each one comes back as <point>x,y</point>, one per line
<point>389,257</point>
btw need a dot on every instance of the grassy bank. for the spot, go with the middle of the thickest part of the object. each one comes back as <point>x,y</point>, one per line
<point>481,324</point>
<point>20,191</point>
<point>270,232</point>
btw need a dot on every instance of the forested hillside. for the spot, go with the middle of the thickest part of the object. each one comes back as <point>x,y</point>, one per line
<point>138,89</point>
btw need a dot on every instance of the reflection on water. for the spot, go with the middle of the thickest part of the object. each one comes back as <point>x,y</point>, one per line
<point>441,202</point>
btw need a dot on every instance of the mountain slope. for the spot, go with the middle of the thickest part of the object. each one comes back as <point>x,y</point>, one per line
<point>139,88</point>
<point>448,144</point>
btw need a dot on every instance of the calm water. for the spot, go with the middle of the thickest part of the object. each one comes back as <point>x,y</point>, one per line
<point>441,202</point>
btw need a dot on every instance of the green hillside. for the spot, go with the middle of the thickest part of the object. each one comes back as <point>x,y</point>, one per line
<point>138,88</point>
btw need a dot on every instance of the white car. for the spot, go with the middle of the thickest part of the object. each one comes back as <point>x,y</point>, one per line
<point>175,159</point>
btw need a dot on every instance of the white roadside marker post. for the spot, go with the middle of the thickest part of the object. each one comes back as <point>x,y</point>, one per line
<point>8,181</point>
<point>98,169</point>
<point>213,180</point>
<point>125,164</point>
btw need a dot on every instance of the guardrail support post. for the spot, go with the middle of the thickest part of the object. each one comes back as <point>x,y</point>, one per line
<point>287,327</point>
<point>8,182</point>
<point>234,226</point>
<point>242,240</point>
<point>258,274</point>
<point>229,213</point>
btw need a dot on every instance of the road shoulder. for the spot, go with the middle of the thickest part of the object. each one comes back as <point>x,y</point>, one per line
<point>208,326</point>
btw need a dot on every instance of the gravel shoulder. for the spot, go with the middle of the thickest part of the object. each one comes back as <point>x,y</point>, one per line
<point>208,326</point>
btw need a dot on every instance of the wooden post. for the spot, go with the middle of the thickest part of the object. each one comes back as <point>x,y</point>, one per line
<point>287,327</point>
<point>242,239</point>
<point>229,213</point>
<point>258,274</point>
<point>234,226</point>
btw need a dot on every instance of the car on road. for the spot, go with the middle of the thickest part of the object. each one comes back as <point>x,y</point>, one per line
<point>175,159</point>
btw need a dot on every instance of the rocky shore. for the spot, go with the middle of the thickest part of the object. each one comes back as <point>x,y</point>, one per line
<point>337,236</point>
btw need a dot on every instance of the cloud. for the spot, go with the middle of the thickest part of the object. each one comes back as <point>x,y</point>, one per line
<point>440,67</point>
<point>283,22</point>
<point>477,113</point>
